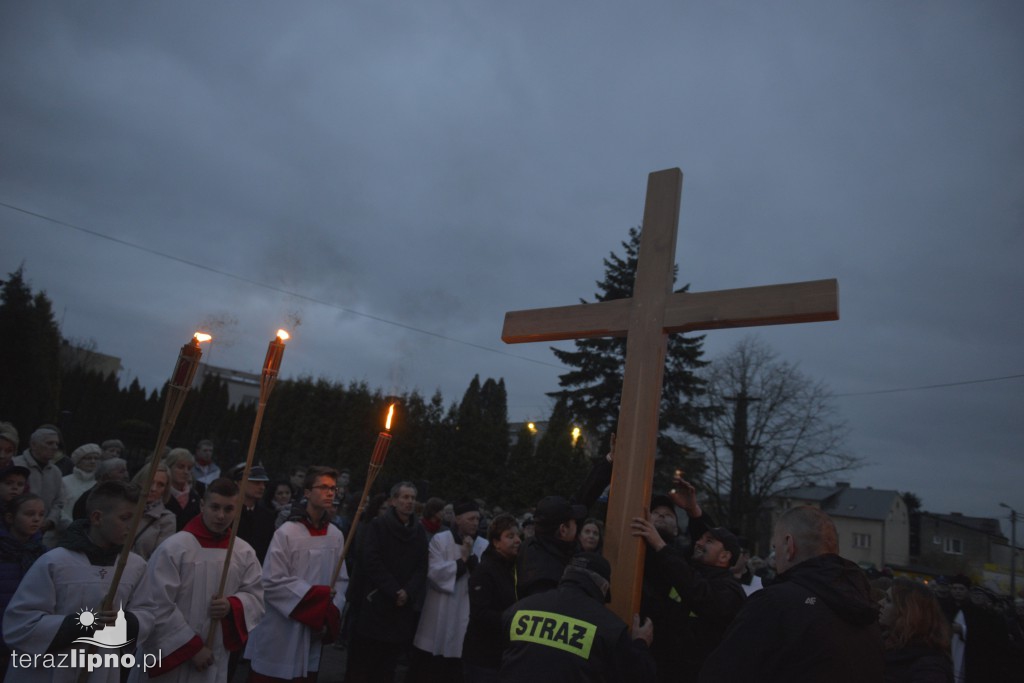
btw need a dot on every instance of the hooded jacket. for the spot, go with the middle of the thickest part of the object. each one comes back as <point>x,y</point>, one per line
<point>815,623</point>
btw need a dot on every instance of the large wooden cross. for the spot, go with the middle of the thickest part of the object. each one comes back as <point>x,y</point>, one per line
<point>646,320</point>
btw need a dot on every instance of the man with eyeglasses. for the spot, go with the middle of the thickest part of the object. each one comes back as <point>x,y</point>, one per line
<point>303,611</point>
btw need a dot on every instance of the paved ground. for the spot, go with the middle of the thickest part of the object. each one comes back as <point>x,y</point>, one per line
<point>332,667</point>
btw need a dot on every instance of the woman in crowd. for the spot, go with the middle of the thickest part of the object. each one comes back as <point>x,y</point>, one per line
<point>592,536</point>
<point>279,496</point>
<point>491,590</point>
<point>82,478</point>
<point>157,523</point>
<point>21,544</point>
<point>915,634</point>
<point>184,499</point>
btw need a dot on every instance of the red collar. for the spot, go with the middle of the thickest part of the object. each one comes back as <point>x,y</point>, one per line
<point>205,537</point>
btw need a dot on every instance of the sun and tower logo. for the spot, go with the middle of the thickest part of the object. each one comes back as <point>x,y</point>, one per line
<point>112,637</point>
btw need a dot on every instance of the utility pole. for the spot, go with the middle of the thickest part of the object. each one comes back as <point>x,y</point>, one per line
<point>1013,550</point>
<point>739,488</point>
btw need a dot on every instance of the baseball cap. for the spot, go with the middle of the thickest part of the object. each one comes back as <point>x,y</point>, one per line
<point>660,500</point>
<point>728,540</point>
<point>557,510</point>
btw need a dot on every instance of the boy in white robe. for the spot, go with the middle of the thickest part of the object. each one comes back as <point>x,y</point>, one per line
<point>59,601</point>
<point>452,556</point>
<point>182,580</point>
<point>303,611</point>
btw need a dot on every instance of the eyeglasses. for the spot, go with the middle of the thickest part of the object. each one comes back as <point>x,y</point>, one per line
<point>325,487</point>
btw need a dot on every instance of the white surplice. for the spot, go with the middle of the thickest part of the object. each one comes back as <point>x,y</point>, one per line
<point>445,616</point>
<point>63,582</point>
<point>181,578</point>
<point>296,561</point>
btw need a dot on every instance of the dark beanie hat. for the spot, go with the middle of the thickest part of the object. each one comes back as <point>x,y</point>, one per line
<point>465,505</point>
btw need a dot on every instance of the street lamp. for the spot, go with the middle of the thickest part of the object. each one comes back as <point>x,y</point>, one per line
<point>1013,550</point>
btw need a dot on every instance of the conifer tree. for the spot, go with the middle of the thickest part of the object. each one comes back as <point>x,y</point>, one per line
<point>593,390</point>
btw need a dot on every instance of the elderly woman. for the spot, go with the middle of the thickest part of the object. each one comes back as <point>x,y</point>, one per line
<point>157,523</point>
<point>183,499</point>
<point>86,458</point>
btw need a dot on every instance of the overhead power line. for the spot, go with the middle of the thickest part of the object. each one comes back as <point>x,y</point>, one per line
<point>273,288</point>
<point>411,328</point>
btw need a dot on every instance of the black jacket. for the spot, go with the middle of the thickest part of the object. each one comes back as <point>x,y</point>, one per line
<point>257,527</point>
<point>568,635</point>
<point>540,564</point>
<point>191,509</point>
<point>392,557</point>
<point>491,591</point>
<point>918,665</point>
<point>691,604</point>
<point>817,622</point>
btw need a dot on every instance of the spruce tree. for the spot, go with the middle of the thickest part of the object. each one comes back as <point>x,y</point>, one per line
<point>593,390</point>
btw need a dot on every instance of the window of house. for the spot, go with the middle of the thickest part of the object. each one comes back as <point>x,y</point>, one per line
<point>861,540</point>
<point>953,546</point>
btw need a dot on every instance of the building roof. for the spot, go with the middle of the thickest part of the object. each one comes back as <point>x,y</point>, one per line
<point>985,525</point>
<point>846,501</point>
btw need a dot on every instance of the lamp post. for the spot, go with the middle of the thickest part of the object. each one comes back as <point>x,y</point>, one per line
<point>1013,550</point>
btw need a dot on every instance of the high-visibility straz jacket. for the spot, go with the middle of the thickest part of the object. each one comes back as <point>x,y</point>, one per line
<point>567,634</point>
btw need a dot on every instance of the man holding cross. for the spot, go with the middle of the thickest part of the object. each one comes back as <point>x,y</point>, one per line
<point>645,320</point>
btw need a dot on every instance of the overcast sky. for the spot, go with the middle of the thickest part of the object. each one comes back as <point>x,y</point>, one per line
<point>436,164</point>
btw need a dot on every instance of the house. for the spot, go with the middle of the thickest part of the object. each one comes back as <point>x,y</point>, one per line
<point>873,524</point>
<point>955,543</point>
<point>243,387</point>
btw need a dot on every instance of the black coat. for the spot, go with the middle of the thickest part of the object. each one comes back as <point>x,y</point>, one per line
<point>392,557</point>
<point>257,527</point>
<point>569,635</point>
<point>817,622</point>
<point>492,590</point>
<point>691,604</point>
<point>540,564</point>
<point>185,514</point>
<point>918,665</point>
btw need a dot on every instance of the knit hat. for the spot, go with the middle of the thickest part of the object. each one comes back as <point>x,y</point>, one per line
<point>84,450</point>
<point>7,431</point>
<point>465,505</point>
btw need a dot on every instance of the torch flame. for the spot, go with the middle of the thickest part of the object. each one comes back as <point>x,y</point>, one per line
<point>283,335</point>
<point>391,412</point>
<point>202,337</point>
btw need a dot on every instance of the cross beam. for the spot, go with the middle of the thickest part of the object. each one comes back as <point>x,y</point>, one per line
<point>646,319</point>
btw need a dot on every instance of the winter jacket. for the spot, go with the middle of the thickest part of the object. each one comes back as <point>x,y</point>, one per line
<point>540,564</point>
<point>157,525</point>
<point>918,665</point>
<point>816,622</point>
<point>491,591</point>
<point>691,605</point>
<point>568,635</point>
<point>184,515</point>
<point>15,559</point>
<point>392,557</point>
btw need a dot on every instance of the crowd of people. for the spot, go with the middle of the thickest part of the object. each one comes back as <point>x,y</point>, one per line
<point>437,590</point>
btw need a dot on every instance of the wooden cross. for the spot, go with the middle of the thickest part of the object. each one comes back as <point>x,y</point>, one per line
<point>646,320</point>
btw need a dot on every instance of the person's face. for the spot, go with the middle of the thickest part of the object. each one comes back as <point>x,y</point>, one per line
<point>88,462</point>
<point>28,520</point>
<point>343,480</point>
<point>508,544</point>
<point>321,496</point>
<point>664,520</point>
<point>204,454</point>
<point>218,512</point>
<point>254,490</point>
<point>119,473</point>
<point>405,502</point>
<point>283,494</point>
<point>12,487</point>
<point>958,592</point>
<point>590,536</point>
<point>181,472</point>
<point>709,550</point>
<point>156,490</point>
<point>112,527</point>
<point>888,611</point>
<point>110,452</point>
<point>7,450</point>
<point>468,523</point>
<point>567,531</point>
<point>45,447</point>
<point>298,479</point>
